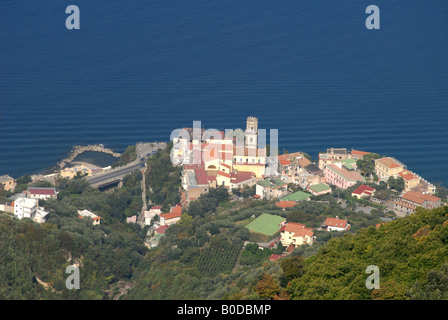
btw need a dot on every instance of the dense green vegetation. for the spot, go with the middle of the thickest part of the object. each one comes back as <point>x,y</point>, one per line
<point>163,179</point>
<point>129,155</point>
<point>367,164</point>
<point>411,254</point>
<point>396,183</point>
<point>107,253</point>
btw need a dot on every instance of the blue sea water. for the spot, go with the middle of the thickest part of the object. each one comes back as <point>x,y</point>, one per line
<point>136,70</point>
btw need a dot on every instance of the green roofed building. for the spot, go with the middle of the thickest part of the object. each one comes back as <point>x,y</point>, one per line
<point>319,189</point>
<point>349,164</point>
<point>267,224</point>
<point>297,196</point>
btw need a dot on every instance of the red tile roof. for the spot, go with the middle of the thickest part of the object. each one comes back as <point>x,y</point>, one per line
<point>169,215</point>
<point>241,176</point>
<point>335,222</point>
<point>390,162</point>
<point>298,229</point>
<point>275,257</point>
<point>176,212</point>
<point>284,160</point>
<point>222,173</point>
<point>363,189</point>
<point>407,175</point>
<point>359,153</point>
<point>419,197</point>
<point>43,191</point>
<point>201,175</point>
<point>161,229</point>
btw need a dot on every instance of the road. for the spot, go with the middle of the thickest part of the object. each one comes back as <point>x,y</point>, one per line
<point>142,150</point>
<point>114,174</point>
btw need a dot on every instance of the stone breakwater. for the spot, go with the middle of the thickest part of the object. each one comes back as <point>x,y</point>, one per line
<point>76,151</point>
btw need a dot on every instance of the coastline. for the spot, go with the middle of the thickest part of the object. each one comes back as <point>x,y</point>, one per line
<point>76,151</point>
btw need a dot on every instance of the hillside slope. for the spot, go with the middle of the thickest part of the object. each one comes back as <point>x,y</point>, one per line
<point>411,254</point>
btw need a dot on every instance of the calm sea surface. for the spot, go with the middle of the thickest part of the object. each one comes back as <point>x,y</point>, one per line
<point>136,70</point>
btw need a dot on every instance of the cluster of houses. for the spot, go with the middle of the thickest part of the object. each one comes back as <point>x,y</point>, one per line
<point>215,161</point>
<point>26,204</point>
<point>337,167</point>
<point>236,161</point>
<point>158,227</point>
<point>291,234</point>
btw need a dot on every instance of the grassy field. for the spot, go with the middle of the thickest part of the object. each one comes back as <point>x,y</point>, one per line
<point>266,224</point>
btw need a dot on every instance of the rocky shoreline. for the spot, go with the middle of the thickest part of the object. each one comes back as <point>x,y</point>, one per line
<point>76,151</point>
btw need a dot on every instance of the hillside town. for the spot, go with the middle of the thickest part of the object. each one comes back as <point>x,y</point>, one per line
<point>208,163</point>
<point>222,163</point>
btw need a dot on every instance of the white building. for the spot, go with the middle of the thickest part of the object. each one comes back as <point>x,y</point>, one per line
<point>25,208</point>
<point>41,193</point>
<point>40,216</point>
<point>86,213</point>
<point>149,215</point>
<point>28,208</point>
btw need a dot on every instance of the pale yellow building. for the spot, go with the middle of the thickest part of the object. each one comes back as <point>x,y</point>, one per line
<point>411,180</point>
<point>7,183</point>
<point>296,234</point>
<point>388,167</point>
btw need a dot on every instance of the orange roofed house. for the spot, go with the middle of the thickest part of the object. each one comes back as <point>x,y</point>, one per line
<point>296,234</point>
<point>410,200</point>
<point>411,180</point>
<point>358,155</point>
<point>171,217</point>
<point>335,224</point>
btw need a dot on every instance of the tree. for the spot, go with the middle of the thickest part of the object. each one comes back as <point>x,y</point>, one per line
<point>185,220</point>
<point>367,164</point>
<point>396,183</point>
<point>26,178</point>
<point>248,192</point>
<point>441,192</point>
<point>292,267</point>
<point>267,288</point>
<point>195,208</point>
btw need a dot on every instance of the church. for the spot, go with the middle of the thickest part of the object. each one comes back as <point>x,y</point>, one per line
<point>232,160</point>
